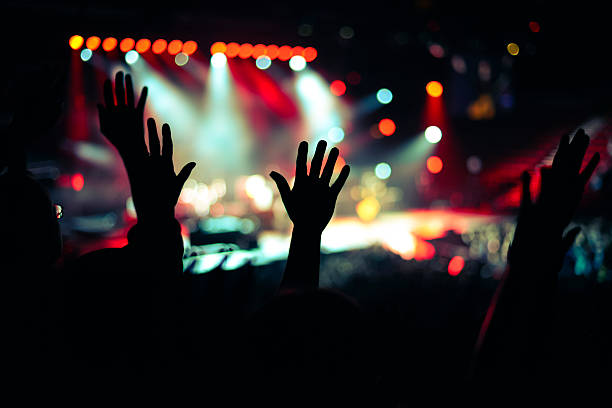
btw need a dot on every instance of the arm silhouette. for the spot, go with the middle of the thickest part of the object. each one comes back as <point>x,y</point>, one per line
<point>310,205</point>
<point>516,336</point>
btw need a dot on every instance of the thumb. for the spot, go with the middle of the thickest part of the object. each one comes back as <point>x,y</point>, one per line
<point>184,174</point>
<point>282,185</point>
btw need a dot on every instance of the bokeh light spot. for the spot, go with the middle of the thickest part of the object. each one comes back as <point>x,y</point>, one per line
<point>76,42</point>
<point>337,87</point>
<point>143,45</point>
<point>263,62</point>
<point>174,47</point>
<point>218,60</point>
<point>384,96</point>
<point>386,127</point>
<point>297,63</point>
<point>181,59</point>
<point>109,44</point>
<point>513,49</point>
<point>93,42</point>
<point>126,44</point>
<point>455,266</point>
<point>232,49</point>
<point>159,46</point>
<point>382,170</point>
<point>433,134</point>
<point>86,54</point>
<point>131,57</point>
<point>190,47</point>
<point>434,89</point>
<point>335,134</point>
<point>434,164</point>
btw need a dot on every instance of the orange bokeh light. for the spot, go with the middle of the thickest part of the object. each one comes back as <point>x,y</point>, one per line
<point>143,45</point>
<point>455,266</point>
<point>272,51</point>
<point>93,42</point>
<point>174,47</point>
<point>190,47</point>
<point>76,42</point>
<point>434,89</point>
<point>232,50</point>
<point>109,44</point>
<point>159,46</point>
<point>126,44</point>
<point>219,47</point>
<point>310,54</point>
<point>246,50</point>
<point>259,50</point>
<point>77,182</point>
<point>386,127</point>
<point>284,52</point>
<point>337,87</point>
<point>434,164</point>
<point>297,51</point>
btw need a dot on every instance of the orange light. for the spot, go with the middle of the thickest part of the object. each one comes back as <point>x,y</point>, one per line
<point>218,47</point>
<point>284,52</point>
<point>297,51</point>
<point>174,47</point>
<point>109,44</point>
<point>77,182</point>
<point>386,127</point>
<point>159,46</point>
<point>232,50</point>
<point>246,50</point>
<point>93,43</point>
<point>534,26</point>
<point>455,266</point>
<point>75,42</point>
<point>310,54</point>
<point>337,87</point>
<point>272,51</point>
<point>190,47</point>
<point>434,164</point>
<point>126,44</point>
<point>434,89</point>
<point>258,50</point>
<point>143,45</point>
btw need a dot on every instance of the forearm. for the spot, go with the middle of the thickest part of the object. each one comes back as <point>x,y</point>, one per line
<point>302,270</point>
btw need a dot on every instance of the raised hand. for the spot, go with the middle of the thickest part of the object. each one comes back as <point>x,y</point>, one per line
<point>310,204</point>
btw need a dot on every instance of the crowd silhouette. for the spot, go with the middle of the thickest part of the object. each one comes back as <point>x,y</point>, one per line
<point>131,312</point>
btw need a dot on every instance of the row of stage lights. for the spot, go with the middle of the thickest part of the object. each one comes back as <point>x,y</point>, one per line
<point>141,46</point>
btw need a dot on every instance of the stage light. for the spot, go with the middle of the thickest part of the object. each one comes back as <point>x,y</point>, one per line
<point>386,127</point>
<point>436,50</point>
<point>284,53</point>
<point>93,42</point>
<point>346,32</point>
<point>434,164</point>
<point>297,63</point>
<point>382,170</point>
<point>86,54</point>
<point>534,26</point>
<point>337,87</point>
<point>143,45</point>
<point>434,89</point>
<point>181,59</point>
<point>76,42</point>
<point>297,51</point>
<point>309,54</point>
<point>218,60</point>
<point>263,62</point>
<point>455,266</point>
<point>159,46</point>
<point>258,51</point>
<point>335,134</point>
<point>126,44</point>
<point>220,47</point>
<point>174,47</point>
<point>131,57</point>
<point>246,50</point>
<point>474,164</point>
<point>458,64</point>
<point>232,49</point>
<point>272,51</point>
<point>190,47</point>
<point>109,44</point>
<point>513,49</point>
<point>367,209</point>
<point>384,96</point>
<point>433,134</point>
<point>77,181</point>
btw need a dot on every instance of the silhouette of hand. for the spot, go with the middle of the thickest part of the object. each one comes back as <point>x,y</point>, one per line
<point>310,204</point>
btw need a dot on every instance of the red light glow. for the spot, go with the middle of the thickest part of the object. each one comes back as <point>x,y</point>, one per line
<point>272,51</point>
<point>126,44</point>
<point>434,89</point>
<point>174,47</point>
<point>109,44</point>
<point>309,54</point>
<point>232,49</point>
<point>297,51</point>
<point>258,50</point>
<point>220,47</point>
<point>77,182</point>
<point>93,43</point>
<point>190,47</point>
<point>246,50</point>
<point>143,45</point>
<point>159,46</point>
<point>284,52</point>
<point>386,127</point>
<point>337,88</point>
<point>455,266</point>
<point>534,26</point>
<point>434,164</point>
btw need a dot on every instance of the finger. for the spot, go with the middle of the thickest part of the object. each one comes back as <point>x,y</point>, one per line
<point>282,185</point>
<point>339,183</point>
<point>560,155</point>
<point>546,182</point>
<point>109,100</point>
<point>119,89</point>
<point>526,191</point>
<point>577,150</point>
<point>184,174</point>
<point>317,160</point>
<point>129,91</point>
<point>589,169</point>
<point>143,100</point>
<point>328,170</point>
<point>153,138</point>
<point>167,142</point>
<point>568,239</point>
<point>102,118</point>
<point>300,163</point>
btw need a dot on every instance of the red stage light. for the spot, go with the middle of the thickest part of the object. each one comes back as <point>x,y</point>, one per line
<point>246,50</point>
<point>93,43</point>
<point>386,127</point>
<point>337,88</point>
<point>126,44</point>
<point>77,182</point>
<point>109,44</point>
<point>75,42</point>
<point>190,47</point>
<point>232,50</point>
<point>298,51</point>
<point>258,50</point>
<point>284,52</point>
<point>174,47</point>
<point>159,46</point>
<point>310,54</point>
<point>534,26</point>
<point>143,45</point>
<point>434,164</point>
<point>455,266</point>
<point>219,47</point>
<point>272,51</point>
<point>434,89</point>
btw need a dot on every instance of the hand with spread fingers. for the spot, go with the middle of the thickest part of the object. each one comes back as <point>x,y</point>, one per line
<point>310,204</point>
